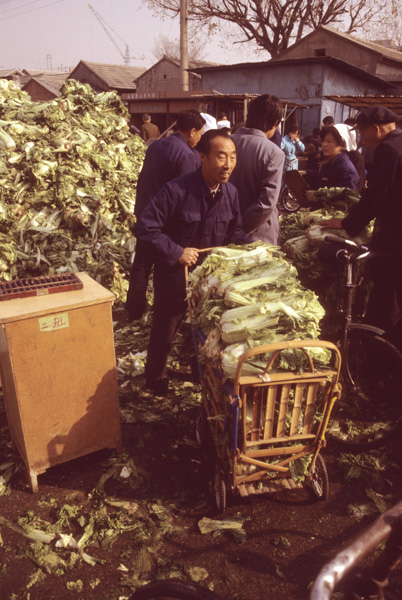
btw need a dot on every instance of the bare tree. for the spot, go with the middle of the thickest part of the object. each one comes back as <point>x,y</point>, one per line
<point>273,25</point>
<point>165,46</point>
<point>388,30</point>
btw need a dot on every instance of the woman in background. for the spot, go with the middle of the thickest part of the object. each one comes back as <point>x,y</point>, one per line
<point>291,145</point>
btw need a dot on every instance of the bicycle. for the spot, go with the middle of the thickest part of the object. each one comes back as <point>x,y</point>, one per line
<point>371,581</point>
<point>287,201</point>
<point>368,413</point>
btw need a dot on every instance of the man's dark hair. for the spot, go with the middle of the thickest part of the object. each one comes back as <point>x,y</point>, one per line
<point>222,116</point>
<point>328,120</point>
<point>350,121</point>
<point>264,112</point>
<point>204,145</point>
<point>146,117</point>
<point>189,119</point>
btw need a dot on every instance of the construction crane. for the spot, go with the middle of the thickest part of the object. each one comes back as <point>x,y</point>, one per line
<point>126,56</point>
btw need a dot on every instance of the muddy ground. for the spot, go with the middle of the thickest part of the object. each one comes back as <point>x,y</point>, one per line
<point>135,516</point>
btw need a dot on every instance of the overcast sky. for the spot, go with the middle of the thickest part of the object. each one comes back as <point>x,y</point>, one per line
<point>40,34</point>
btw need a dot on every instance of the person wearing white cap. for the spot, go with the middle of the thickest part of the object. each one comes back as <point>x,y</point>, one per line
<point>336,170</point>
<point>348,134</point>
<point>210,122</point>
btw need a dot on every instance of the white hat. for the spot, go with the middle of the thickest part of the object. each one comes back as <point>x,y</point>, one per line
<point>348,135</point>
<point>210,122</point>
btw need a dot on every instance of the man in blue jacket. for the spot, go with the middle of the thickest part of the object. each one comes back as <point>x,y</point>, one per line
<point>381,200</point>
<point>198,210</point>
<point>166,159</point>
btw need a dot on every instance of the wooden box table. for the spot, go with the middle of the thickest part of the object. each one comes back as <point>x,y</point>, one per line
<point>58,374</point>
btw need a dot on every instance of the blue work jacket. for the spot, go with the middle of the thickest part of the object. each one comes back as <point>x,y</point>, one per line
<point>183,215</point>
<point>165,159</point>
<point>339,172</point>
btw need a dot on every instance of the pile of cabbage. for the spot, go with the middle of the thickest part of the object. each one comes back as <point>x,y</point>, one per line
<point>248,296</point>
<point>301,234</point>
<point>68,174</point>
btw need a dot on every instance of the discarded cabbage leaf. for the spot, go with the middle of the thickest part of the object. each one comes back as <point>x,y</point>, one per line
<point>233,526</point>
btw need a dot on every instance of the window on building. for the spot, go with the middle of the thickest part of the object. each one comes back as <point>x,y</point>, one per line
<point>320,52</point>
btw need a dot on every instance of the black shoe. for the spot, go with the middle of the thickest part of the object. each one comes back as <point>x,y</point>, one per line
<point>160,387</point>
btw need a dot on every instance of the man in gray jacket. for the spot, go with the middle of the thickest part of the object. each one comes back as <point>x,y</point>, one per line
<point>258,173</point>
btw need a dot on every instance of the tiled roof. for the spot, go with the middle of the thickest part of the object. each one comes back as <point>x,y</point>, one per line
<point>50,80</point>
<point>388,52</point>
<point>9,73</point>
<point>115,76</point>
<point>193,64</point>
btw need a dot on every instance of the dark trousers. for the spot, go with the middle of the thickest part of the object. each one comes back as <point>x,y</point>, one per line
<point>169,310</point>
<point>384,309</point>
<point>136,296</point>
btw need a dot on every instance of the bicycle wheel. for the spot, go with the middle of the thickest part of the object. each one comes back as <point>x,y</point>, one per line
<point>369,411</point>
<point>319,479</point>
<point>173,590</point>
<point>288,201</point>
<point>220,488</point>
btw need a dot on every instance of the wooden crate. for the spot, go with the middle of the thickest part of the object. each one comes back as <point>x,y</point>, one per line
<point>58,373</point>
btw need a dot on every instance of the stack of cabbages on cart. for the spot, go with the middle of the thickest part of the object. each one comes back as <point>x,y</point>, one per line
<point>68,173</point>
<point>248,296</point>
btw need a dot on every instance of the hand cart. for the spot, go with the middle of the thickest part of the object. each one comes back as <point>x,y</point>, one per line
<point>264,428</point>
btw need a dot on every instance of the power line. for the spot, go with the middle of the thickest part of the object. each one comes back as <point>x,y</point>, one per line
<point>16,7</point>
<point>28,11</point>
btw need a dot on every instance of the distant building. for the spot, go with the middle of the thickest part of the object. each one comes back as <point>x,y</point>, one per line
<point>373,58</point>
<point>11,74</point>
<point>164,76</point>
<point>105,77</point>
<point>42,85</point>
<point>303,80</point>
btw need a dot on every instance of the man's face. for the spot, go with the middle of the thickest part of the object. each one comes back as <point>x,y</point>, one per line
<point>219,163</point>
<point>369,136</point>
<point>194,137</point>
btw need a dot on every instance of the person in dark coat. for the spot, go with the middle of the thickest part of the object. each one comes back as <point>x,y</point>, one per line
<point>336,170</point>
<point>381,200</point>
<point>148,130</point>
<point>198,210</point>
<point>166,159</point>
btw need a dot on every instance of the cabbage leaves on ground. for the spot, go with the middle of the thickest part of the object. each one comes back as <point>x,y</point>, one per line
<point>68,174</point>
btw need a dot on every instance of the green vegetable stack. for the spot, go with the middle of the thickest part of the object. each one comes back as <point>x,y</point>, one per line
<point>301,234</point>
<point>68,173</point>
<point>249,296</point>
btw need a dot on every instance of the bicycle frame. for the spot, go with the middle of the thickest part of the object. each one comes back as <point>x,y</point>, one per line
<point>350,255</point>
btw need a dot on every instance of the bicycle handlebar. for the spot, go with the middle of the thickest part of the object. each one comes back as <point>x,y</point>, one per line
<point>349,248</point>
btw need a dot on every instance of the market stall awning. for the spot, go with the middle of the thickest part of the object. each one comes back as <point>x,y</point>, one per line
<point>362,102</point>
<point>242,97</point>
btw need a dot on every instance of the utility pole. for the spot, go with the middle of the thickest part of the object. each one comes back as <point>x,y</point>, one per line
<point>183,45</point>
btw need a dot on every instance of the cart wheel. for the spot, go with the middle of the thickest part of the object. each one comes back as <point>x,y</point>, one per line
<point>319,479</point>
<point>220,488</point>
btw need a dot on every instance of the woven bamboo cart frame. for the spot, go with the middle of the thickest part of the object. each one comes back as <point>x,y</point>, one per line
<point>289,414</point>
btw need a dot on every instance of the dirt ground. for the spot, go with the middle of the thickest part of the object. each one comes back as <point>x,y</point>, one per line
<point>135,516</point>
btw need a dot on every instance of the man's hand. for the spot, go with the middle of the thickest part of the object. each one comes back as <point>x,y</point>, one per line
<point>189,257</point>
<point>332,223</point>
